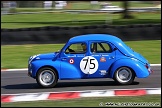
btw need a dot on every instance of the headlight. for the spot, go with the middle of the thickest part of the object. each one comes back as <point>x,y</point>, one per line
<point>32,58</point>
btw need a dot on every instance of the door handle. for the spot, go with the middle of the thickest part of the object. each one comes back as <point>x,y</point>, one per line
<point>112,57</point>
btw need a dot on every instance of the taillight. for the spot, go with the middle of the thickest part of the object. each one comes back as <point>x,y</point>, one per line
<point>149,68</point>
<point>146,66</point>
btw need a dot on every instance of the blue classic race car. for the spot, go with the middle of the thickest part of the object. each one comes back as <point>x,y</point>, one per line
<point>89,56</point>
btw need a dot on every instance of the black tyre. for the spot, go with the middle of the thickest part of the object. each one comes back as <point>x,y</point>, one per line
<point>124,75</point>
<point>47,77</point>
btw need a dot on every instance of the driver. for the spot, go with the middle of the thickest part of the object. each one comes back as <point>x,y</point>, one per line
<point>84,47</point>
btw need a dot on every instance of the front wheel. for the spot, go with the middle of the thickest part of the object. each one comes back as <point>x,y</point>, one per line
<point>47,77</point>
<point>124,75</point>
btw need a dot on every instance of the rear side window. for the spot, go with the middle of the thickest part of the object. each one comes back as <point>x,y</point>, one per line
<point>102,47</point>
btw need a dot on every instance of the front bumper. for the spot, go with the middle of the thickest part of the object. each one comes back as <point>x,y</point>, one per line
<point>29,74</point>
<point>29,70</point>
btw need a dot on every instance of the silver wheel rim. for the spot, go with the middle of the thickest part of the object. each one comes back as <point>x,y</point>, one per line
<point>47,77</point>
<point>124,74</point>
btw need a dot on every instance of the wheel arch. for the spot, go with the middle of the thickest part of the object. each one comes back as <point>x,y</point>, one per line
<point>48,66</point>
<point>127,67</point>
<point>138,68</point>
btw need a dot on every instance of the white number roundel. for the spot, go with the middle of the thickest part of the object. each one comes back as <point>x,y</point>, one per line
<point>89,65</point>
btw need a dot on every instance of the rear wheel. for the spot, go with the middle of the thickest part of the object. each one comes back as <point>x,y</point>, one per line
<point>47,77</point>
<point>124,75</point>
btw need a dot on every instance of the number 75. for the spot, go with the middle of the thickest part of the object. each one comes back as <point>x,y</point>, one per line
<point>91,62</point>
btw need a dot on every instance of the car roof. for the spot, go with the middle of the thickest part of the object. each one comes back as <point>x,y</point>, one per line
<point>104,37</point>
<point>95,37</point>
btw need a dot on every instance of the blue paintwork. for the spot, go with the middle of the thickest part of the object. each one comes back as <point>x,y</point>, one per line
<point>138,67</point>
<point>41,63</point>
<point>122,56</point>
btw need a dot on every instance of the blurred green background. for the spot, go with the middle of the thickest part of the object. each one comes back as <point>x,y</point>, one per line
<point>57,17</point>
<point>16,56</point>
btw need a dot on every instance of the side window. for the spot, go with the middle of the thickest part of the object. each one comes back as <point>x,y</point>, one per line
<point>76,48</point>
<point>100,47</point>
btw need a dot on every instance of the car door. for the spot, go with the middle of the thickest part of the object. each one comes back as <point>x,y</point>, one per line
<point>70,57</point>
<point>103,55</point>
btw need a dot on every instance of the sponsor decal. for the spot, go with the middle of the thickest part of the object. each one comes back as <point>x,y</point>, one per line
<point>96,55</point>
<point>71,56</point>
<point>105,55</point>
<point>102,59</point>
<point>103,72</point>
<point>80,55</point>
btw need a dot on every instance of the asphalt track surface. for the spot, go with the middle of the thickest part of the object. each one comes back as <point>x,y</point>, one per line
<point>19,82</point>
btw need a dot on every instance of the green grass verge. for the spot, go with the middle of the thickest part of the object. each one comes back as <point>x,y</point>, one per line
<point>16,56</point>
<point>67,19</point>
<point>93,102</point>
<point>86,5</point>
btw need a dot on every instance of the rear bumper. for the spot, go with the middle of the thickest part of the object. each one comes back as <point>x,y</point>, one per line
<point>150,70</point>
